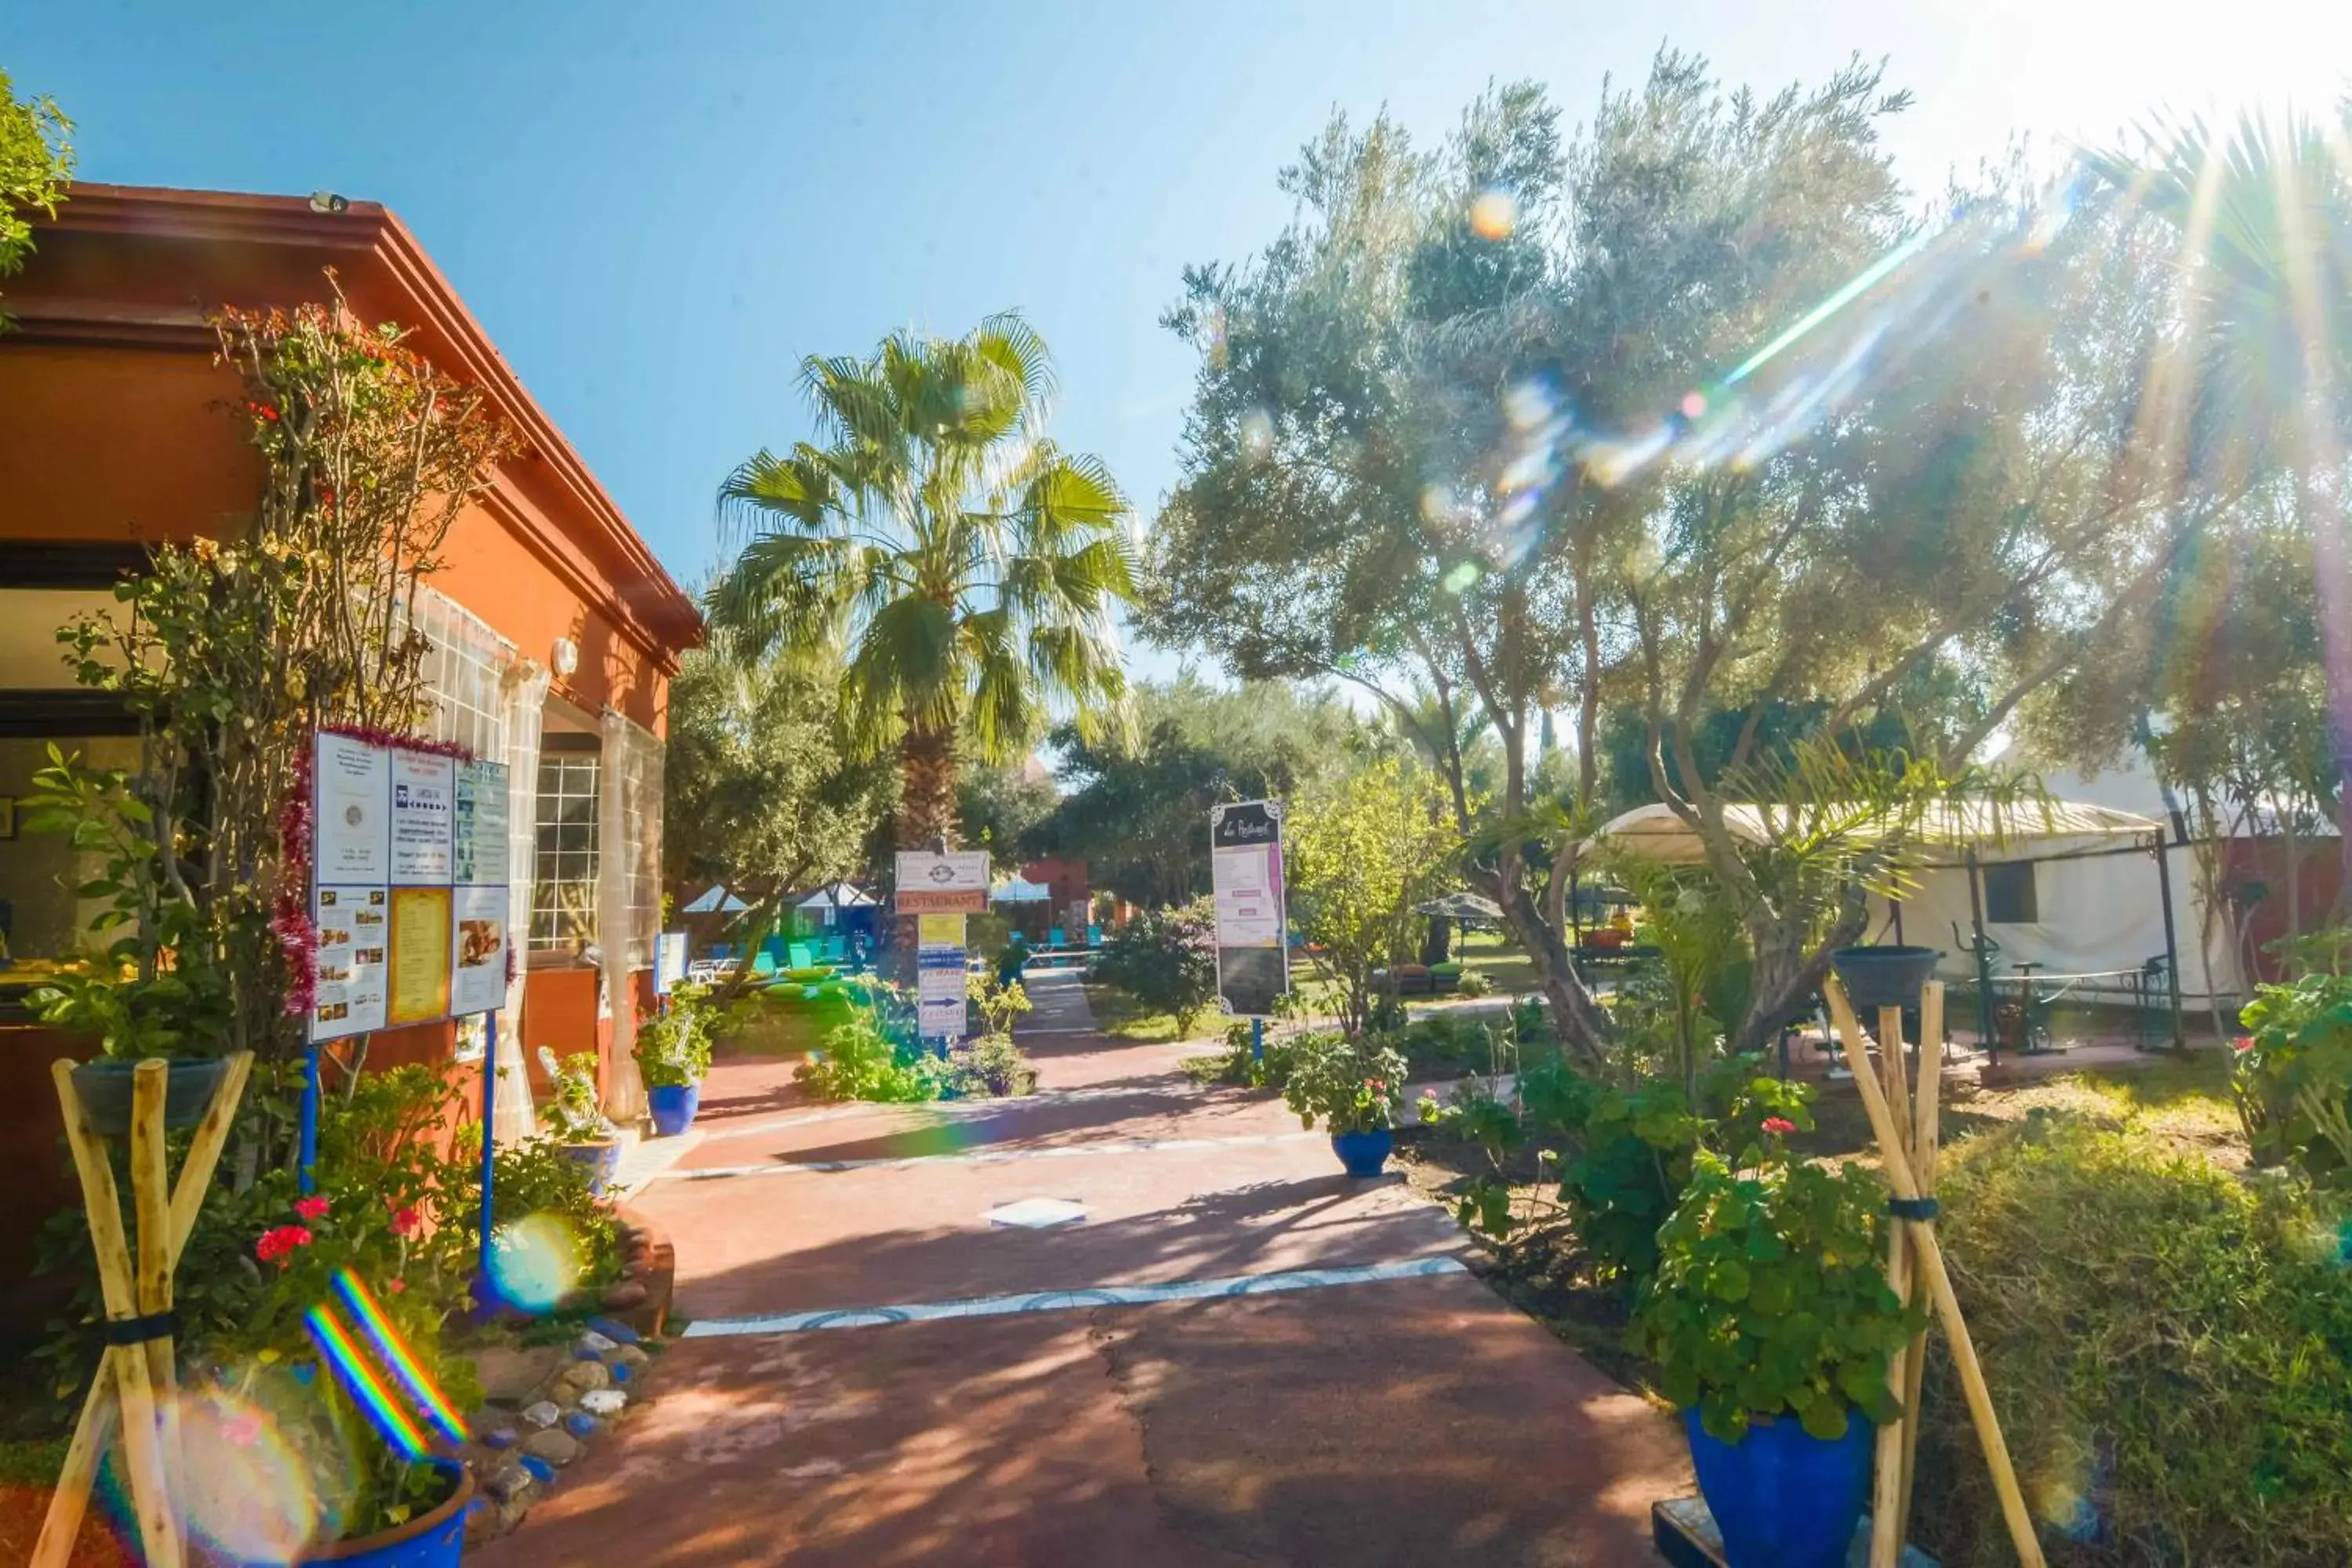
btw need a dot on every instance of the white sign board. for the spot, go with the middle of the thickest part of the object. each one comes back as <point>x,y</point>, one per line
<point>409,857</point>
<point>941,1018</point>
<point>670,962</point>
<point>424,819</point>
<point>1246,873</point>
<point>961,871</point>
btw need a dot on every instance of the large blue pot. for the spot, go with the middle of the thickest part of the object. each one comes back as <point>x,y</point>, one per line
<point>1783,1498</point>
<point>434,1539</point>
<point>673,1106</point>
<point>1363,1154</point>
<point>603,1158</point>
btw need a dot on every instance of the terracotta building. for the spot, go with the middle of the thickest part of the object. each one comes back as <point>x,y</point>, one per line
<point>555,631</point>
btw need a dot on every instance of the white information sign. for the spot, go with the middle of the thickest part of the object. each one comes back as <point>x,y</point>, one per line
<point>941,986</point>
<point>961,871</point>
<point>351,786</point>
<point>353,933</point>
<point>478,825</point>
<point>1246,873</point>
<point>409,857</point>
<point>670,962</point>
<point>477,955</point>
<point>941,1018</point>
<point>424,818</point>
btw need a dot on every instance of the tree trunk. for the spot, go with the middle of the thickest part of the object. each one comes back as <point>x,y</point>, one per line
<point>1787,973</point>
<point>1436,944</point>
<point>1583,1026</point>
<point>2321,507</point>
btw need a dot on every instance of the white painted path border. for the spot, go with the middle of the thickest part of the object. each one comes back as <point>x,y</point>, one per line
<point>1068,1301</point>
<point>979,1157</point>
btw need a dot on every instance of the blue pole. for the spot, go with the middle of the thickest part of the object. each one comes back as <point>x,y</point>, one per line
<point>1258,1039</point>
<point>490,1146</point>
<point>307,1157</point>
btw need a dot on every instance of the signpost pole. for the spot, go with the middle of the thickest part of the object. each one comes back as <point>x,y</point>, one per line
<point>489,1142</point>
<point>1258,1039</point>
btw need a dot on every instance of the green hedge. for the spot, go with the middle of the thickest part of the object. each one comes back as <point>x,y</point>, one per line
<point>2169,1348</point>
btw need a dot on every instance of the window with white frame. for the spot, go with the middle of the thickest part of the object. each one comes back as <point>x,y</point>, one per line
<point>563,880</point>
<point>462,672</point>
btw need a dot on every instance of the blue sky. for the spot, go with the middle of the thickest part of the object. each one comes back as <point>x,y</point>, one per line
<point>655,210</point>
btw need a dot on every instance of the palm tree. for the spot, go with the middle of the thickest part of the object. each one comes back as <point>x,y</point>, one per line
<point>964,569</point>
<point>2265,218</point>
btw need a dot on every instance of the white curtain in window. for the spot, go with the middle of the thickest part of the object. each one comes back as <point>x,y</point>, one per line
<point>524,698</point>
<point>616,937</point>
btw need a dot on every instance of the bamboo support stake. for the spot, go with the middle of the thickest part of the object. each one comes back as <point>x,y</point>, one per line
<point>1886,1504</point>
<point>132,1379</point>
<point>1926,1139</point>
<point>1939,1286</point>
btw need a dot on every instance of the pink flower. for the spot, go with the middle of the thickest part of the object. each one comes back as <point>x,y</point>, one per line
<point>1377,1084</point>
<point>397,1286</point>
<point>1779,1125</point>
<point>2242,1043</point>
<point>311,1207</point>
<point>406,1221</point>
<point>241,1428</point>
<point>277,1243</point>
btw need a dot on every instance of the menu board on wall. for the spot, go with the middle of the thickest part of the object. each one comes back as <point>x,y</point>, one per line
<point>409,857</point>
<point>420,955</point>
<point>352,935</point>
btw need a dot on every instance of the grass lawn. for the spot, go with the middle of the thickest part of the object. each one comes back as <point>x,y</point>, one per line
<point>1122,1017</point>
<point>1508,969</point>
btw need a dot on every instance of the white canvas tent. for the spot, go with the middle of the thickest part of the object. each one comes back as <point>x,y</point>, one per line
<point>828,900</point>
<point>2076,886</point>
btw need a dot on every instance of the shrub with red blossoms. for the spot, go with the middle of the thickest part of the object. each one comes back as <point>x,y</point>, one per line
<point>1779,1125</point>
<point>311,1207</point>
<point>276,1244</point>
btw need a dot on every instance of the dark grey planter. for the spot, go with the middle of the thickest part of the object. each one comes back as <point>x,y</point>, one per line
<point>1883,977</point>
<point>104,1086</point>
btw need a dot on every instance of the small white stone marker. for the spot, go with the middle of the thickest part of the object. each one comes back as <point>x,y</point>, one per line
<point>600,1343</point>
<point>1037,1214</point>
<point>604,1401</point>
<point>546,1413</point>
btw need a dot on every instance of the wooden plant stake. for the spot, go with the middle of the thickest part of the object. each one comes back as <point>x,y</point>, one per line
<point>1895,1161</point>
<point>1927,1137</point>
<point>137,1371</point>
<point>1886,1504</point>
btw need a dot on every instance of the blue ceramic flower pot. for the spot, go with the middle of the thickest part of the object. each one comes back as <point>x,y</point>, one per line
<point>1363,1154</point>
<point>434,1539</point>
<point>673,1106</point>
<point>603,1158</point>
<point>1783,1498</point>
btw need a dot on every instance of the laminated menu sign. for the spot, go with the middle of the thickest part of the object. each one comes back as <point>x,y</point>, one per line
<point>478,825</point>
<point>1245,874</point>
<point>420,956</point>
<point>477,964</point>
<point>353,934</point>
<point>423,811</point>
<point>352,791</point>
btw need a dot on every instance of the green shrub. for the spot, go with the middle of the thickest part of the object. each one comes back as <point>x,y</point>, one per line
<point>1167,960</point>
<point>989,1067</point>
<point>1474,982</point>
<point>1352,1085</point>
<point>2169,1349</point>
<point>2294,1070</point>
<point>1771,1296</point>
<point>672,1047</point>
<point>1242,1066</point>
<point>860,1061</point>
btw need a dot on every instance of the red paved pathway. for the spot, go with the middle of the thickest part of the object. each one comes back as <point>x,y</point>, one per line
<point>1415,1420</point>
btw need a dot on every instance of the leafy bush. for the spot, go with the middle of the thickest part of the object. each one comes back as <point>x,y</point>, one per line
<point>570,1113</point>
<point>1771,1296</point>
<point>673,1047</point>
<point>860,1061</point>
<point>1354,1085</point>
<point>1474,982</point>
<point>2169,1349</point>
<point>1628,1152</point>
<point>989,1067</point>
<point>2293,1071</point>
<point>1244,1067</point>
<point>1167,960</point>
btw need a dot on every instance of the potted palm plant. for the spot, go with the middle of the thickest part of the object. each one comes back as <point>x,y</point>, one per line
<point>672,1052</point>
<point>575,1120</point>
<point>1353,1086</point>
<point>1773,1325</point>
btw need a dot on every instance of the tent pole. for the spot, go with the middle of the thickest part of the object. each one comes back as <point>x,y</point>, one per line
<point>1985,1040</point>
<point>2172,941</point>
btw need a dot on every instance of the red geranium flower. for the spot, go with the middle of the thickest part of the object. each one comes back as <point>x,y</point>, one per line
<point>1779,1125</point>
<point>397,1286</point>
<point>406,1221</point>
<point>311,1207</point>
<point>277,1243</point>
<point>2244,1043</point>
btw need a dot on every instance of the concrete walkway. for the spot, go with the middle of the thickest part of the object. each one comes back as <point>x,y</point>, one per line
<point>1208,1347</point>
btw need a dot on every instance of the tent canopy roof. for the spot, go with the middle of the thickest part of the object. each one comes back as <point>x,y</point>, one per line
<point>716,900</point>
<point>1460,907</point>
<point>1945,832</point>
<point>1021,890</point>
<point>836,895</point>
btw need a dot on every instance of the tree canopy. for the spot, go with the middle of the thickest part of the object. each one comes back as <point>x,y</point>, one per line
<point>36,164</point>
<point>1694,415</point>
<point>963,568</point>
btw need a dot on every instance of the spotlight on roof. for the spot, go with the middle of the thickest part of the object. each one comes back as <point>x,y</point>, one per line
<point>328,201</point>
